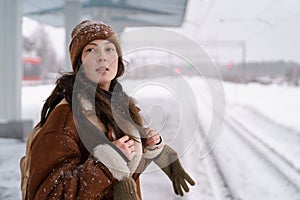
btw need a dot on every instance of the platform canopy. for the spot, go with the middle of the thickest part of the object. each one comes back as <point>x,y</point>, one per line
<point>118,13</point>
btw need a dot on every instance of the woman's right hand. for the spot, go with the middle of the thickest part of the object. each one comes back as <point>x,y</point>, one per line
<point>126,145</point>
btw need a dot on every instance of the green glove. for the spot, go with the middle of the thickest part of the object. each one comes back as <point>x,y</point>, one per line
<point>125,189</point>
<point>169,162</point>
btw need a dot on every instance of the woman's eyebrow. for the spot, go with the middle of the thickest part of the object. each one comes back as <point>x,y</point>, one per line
<point>91,43</point>
<point>108,42</point>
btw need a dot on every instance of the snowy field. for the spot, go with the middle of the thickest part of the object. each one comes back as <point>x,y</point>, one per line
<point>232,170</point>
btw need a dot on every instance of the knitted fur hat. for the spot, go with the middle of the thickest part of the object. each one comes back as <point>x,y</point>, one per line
<point>87,31</point>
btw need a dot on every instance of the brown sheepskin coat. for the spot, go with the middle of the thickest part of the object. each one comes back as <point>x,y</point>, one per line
<point>60,167</point>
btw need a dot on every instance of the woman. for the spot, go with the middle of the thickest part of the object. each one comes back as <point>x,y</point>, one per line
<point>90,142</point>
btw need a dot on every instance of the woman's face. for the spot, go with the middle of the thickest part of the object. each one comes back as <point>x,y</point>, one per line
<point>100,62</point>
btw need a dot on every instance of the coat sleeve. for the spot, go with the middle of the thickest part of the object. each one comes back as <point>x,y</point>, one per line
<point>56,171</point>
<point>59,170</point>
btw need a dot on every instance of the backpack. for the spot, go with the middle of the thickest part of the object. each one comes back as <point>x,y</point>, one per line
<point>25,162</point>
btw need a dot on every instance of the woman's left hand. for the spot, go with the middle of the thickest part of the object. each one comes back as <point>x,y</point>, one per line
<point>153,137</point>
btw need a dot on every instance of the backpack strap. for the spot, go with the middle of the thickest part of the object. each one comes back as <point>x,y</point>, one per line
<point>25,162</point>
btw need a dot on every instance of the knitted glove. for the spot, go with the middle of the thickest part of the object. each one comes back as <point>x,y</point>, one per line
<point>125,190</point>
<point>169,162</point>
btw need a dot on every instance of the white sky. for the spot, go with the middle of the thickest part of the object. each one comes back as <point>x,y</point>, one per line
<point>270,28</point>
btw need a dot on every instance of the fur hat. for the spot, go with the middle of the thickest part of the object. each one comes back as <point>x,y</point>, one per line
<point>87,31</point>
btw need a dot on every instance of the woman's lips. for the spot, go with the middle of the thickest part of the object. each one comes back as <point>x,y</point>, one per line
<point>102,69</point>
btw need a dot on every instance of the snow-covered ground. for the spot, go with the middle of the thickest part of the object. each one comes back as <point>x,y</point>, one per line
<point>278,104</point>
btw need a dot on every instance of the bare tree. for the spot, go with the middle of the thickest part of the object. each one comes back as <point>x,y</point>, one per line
<point>45,51</point>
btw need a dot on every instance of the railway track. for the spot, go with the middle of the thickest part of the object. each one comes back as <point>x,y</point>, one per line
<point>284,165</point>
<point>256,158</point>
<point>249,163</point>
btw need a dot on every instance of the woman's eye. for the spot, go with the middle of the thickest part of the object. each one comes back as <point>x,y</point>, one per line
<point>110,49</point>
<point>90,50</point>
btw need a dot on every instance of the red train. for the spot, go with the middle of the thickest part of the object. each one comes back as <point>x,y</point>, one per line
<point>32,68</point>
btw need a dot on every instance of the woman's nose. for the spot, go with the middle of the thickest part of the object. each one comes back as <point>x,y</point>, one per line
<point>102,59</point>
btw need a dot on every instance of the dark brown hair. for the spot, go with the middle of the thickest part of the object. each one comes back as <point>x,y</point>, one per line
<point>64,89</point>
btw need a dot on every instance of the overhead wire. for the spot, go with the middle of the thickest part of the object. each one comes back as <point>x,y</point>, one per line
<point>204,16</point>
<point>267,23</point>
